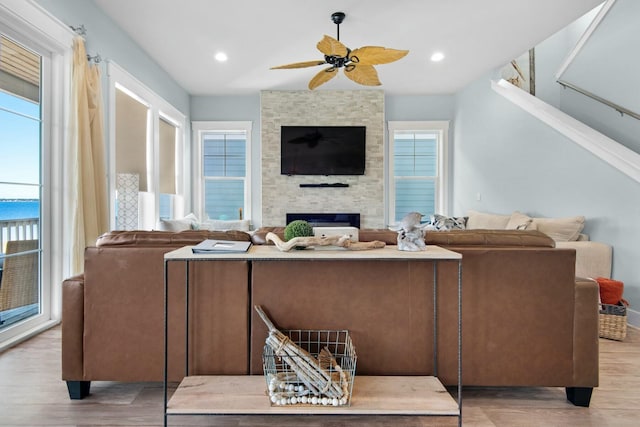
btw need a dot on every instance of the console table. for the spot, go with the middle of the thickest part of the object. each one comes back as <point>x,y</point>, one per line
<point>391,395</point>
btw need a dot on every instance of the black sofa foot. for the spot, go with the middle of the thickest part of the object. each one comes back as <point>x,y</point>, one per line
<point>579,396</point>
<point>78,389</point>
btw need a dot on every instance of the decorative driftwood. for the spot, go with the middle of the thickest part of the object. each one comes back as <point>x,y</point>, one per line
<point>343,241</point>
<point>310,371</point>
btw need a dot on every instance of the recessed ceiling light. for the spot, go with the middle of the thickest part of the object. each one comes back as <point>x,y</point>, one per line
<point>221,57</point>
<point>437,56</point>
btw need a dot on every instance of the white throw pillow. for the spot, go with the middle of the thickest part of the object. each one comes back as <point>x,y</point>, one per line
<point>224,225</point>
<point>519,221</point>
<point>561,229</point>
<point>487,221</point>
<point>186,223</point>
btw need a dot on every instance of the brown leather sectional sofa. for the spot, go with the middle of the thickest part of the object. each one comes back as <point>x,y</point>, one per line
<point>527,321</point>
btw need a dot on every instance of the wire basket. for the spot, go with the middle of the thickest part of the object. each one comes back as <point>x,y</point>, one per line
<point>613,321</point>
<point>284,387</point>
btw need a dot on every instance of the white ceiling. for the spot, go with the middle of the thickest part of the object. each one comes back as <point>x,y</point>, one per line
<point>182,36</point>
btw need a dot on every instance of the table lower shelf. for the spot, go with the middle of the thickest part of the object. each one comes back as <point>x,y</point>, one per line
<point>372,395</point>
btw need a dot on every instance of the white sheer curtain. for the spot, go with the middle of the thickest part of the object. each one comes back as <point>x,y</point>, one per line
<point>88,165</point>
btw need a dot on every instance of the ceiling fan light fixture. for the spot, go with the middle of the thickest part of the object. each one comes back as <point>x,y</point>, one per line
<point>357,64</point>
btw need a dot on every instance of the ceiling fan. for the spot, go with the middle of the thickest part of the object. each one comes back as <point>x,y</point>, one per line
<point>358,63</point>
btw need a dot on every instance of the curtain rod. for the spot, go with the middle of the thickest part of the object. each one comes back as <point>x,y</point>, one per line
<point>82,31</point>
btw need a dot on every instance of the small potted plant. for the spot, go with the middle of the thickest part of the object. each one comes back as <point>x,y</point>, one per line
<point>297,228</point>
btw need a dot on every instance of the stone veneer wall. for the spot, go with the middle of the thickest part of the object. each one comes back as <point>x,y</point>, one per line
<point>282,194</point>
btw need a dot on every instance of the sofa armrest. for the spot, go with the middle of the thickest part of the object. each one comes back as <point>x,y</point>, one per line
<point>72,327</point>
<point>593,259</point>
<point>585,333</point>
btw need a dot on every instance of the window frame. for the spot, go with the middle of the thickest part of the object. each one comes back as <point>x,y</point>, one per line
<point>199,128</point>
<point>439,127</point>
<point>119,79</point>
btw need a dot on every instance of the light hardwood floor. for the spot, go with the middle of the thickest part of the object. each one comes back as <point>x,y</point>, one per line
<point>32,394</point>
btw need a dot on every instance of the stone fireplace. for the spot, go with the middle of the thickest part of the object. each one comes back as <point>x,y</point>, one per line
<point>363,194</point>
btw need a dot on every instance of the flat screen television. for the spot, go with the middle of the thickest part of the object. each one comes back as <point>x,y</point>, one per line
<point>322,150</point>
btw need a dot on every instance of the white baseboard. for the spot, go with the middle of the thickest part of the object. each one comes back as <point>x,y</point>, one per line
<point>633,318</point>
<point>27,334</point>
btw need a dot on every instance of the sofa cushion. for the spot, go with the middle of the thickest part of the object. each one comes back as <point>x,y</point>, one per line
<point>187,223</point>
<point>520,221</point>
<point>491,238</point>
<point>385,235</point>
<point>560,229</point>
<point>167,238</point>
<point>223,225</point>
<point>487,221</point>
<point>443,223</point>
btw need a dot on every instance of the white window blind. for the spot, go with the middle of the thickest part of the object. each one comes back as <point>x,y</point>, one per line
<point>416,168</point>
<point>224,162</point>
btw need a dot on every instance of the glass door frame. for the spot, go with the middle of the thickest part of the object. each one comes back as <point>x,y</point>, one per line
<point>31,26</point>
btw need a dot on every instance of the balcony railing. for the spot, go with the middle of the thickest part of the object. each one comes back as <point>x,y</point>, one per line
<point>18,229</point>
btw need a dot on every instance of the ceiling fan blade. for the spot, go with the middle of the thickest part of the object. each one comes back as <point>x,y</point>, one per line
<point>372,55</point>
<point>363,74</point>
<point>299,65</point>
<point>322,77</point>
<point>332,47</point>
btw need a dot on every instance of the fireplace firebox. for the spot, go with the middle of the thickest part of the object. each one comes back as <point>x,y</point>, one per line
<point>327,219</point>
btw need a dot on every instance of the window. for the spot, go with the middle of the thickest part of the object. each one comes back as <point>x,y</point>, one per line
<point>167,156</point>
<point>223,169</point>
<point>147,160</point>
<point>417,168</point>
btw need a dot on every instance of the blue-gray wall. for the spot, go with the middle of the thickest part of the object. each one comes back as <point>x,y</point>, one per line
<point>419,107</point>
<point>516,162</point>
<point>550,55</point>
<point>237,108</point>
<point>104,37</point>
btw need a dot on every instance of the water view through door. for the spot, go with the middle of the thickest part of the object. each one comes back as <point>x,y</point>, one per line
<point>20,182</point>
